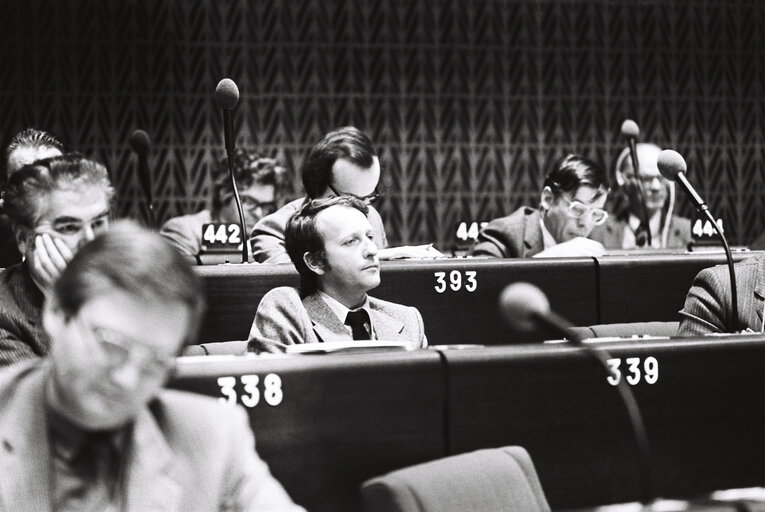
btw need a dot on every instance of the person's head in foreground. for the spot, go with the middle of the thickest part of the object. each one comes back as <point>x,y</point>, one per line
<point>573,196</point>
<point>118,316</point>
<point>331,244</point>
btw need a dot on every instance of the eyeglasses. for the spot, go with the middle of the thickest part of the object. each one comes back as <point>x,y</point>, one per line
<point>119,350</point>
<point>577,210</point>
<point>368,199</point>
<point>251,203</point>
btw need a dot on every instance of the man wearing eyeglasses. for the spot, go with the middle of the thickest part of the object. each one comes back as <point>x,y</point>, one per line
<point>625,229</point>
<point>90,427</point>
<point>261,182</point>
<point>343,162</point>
<point>56,205</point>
<point>573,197</point>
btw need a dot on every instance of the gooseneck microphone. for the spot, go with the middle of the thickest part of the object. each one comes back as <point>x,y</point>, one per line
<point>631,132</point>
<point>139,142</point>
<point>227,96</point>
<point>673,167</point>
<point>526,308</point>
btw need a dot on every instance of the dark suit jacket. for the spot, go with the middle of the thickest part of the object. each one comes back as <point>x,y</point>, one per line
<point>267,237</point>
<point>611,234</point>
<point>188,452</point>
<point>519,235</point>
<point>284,319</point>
<point>21,332</point>
<point>708,306</point>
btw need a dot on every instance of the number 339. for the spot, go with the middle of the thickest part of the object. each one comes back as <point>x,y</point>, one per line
<point>633,371</point>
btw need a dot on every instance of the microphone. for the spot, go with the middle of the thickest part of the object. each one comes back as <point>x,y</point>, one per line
<point>673,167</point>
<point>227,96</point>
<point>525,308</point>
<point>139,142</point>
<point>631,131</point>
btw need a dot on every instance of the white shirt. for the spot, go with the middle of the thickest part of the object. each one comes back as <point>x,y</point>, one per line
<point>341,312</point>
<point>547,238</point>
<point>633,224</point>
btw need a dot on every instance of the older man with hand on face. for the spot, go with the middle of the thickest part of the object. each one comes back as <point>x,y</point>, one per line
<point>91,427</point>
<point>56,205</point>
<point>332,246</point>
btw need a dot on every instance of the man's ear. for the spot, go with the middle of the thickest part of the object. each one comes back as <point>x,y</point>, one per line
<point>314,263</point>
<point>20,234</point>
<point>548,198</point>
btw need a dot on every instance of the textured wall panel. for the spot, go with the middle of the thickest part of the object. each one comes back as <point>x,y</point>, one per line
<point>468,101</point>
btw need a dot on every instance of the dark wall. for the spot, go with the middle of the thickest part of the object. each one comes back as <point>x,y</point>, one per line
<point>467,101</point>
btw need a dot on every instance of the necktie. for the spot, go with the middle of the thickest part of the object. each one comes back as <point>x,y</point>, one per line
<point>357,319</point>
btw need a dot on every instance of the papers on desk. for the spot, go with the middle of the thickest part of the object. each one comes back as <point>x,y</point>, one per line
<point>611,339</point>
<point>347,347</point>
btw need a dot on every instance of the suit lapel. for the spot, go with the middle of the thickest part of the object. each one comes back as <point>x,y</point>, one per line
<point>25,452</point>
<point>386,327</point>
<point>532,234</point>
<point>150,483</point>
<point>759,291</point>
<point>326,325</point>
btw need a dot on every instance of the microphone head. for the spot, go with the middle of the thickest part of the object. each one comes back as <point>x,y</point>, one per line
<point>670,163</point>
<point>227,94</point>
<point>630,129</point>
<point>139,141</point>
<point>521,303</point>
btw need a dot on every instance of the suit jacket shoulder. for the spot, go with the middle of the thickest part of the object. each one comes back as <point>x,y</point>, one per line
<point>267,238</point>
<point>185,232</point>
<point>518,235</point>
<point>21,333</point>
<point>679,233</point>
<point>708,308</point>
<point>281,320</point>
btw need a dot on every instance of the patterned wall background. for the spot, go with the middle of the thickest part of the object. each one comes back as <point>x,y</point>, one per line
<point>467,101</point>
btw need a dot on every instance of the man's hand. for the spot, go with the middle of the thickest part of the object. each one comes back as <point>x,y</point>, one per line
<point>48,259</point>
<point>409,251</point>
<point>578,246</point>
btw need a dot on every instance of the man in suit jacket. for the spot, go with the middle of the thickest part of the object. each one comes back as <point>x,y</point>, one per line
<point>708,303</point>
<point>626,229</point>
<point>90,427</point>
<point>573,196</point>
<point>343,162</point>
<point>331,243</point>
<point>56,205</point>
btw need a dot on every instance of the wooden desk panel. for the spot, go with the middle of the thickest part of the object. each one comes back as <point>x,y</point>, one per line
<point>647,287</point>
<point>342,418</point>
<point>704,416</point>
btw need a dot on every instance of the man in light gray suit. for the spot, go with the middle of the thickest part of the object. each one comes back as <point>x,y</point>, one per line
<point>331,243</point>
<point>90,427</point>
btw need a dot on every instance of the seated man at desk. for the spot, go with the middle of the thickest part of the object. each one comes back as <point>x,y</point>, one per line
<point>343,162</point>
<point>573,196</point>
<point>625,228</point>
<point>708,306</point>
<point>56,206</point>
<point>261,182</point>
<point>331,242</point>
<point>91,427</point>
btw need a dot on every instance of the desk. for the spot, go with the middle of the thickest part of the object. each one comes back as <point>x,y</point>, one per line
<point>341,419</point>
<point>704,416</point>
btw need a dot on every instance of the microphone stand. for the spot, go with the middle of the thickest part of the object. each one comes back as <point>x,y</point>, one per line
<point>641,194</point>
<point>228,128</point>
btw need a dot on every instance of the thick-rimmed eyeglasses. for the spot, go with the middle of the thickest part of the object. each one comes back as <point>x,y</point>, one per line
<point>577,210</point>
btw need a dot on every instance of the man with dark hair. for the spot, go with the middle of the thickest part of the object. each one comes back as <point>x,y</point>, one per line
<point>55,205</point>
<point>25,147</point>
<point>90,427</point>
<point>625,228</point>
<point>343,162</point>
<point>331,242</point>
<point>573,195</point>
<point>261,181</point>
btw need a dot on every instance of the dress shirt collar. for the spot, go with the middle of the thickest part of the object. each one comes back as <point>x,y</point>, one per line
<point>547,238</point>
<point>341,311</point>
